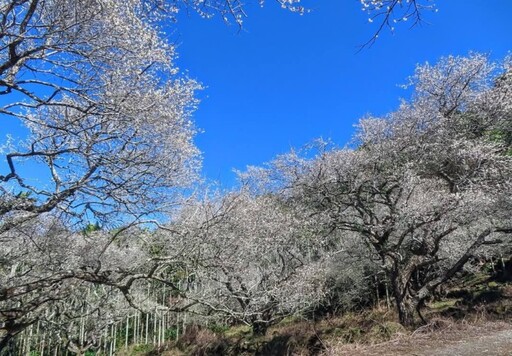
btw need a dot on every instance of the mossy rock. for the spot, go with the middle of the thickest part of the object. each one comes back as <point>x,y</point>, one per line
<point>238,331</point>
<point>443,304</point>
<point>292,319</point>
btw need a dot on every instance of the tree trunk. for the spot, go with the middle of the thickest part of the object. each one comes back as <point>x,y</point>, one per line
<point>406,304</point>
<point>406,308</point>
<point>259,328</point>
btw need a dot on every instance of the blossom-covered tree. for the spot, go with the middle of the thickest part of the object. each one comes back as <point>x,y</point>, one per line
<point>107,114</point>
<point>109,141</point>
<point>252,259</point>
<point>47,271</point>
<point>425,187</point>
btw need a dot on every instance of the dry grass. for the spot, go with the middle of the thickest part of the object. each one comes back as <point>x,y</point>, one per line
<point>372,333</point>
<point>368,332</point>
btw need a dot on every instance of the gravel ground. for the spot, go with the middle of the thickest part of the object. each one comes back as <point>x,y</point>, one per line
<point>498,343</point>
<point>454,340</point>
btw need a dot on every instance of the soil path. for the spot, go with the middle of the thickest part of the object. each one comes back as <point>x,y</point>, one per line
<point>498,343</point>
<point>488,339</point>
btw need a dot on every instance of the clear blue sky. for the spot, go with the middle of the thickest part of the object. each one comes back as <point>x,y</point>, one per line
<point>287,79</point>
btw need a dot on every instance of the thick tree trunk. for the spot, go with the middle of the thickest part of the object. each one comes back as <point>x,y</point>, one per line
<point>261,323</point>
<point>406,310</point>
<point>259,328</point>
<point>406,304</point>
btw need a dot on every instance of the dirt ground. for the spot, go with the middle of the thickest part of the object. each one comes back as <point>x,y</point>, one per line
<point>450,340</point>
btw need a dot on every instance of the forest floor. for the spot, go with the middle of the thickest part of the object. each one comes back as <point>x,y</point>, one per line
<point>490,338</point>
<point>440,338</point>
<point>473,319</point>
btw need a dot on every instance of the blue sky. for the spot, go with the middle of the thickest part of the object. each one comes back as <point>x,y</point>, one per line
<point>286,79</point>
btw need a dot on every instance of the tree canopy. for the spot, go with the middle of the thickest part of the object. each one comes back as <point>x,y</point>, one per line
<point>119,226</point>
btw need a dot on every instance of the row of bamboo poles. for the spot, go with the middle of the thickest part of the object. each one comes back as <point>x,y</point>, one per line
<point>138,329</point>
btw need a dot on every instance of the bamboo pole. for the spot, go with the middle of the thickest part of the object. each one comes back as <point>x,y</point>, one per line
<point>154,327</point>
<point>115,338</point>
<point>126,332</point>
<point>147,327</point>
